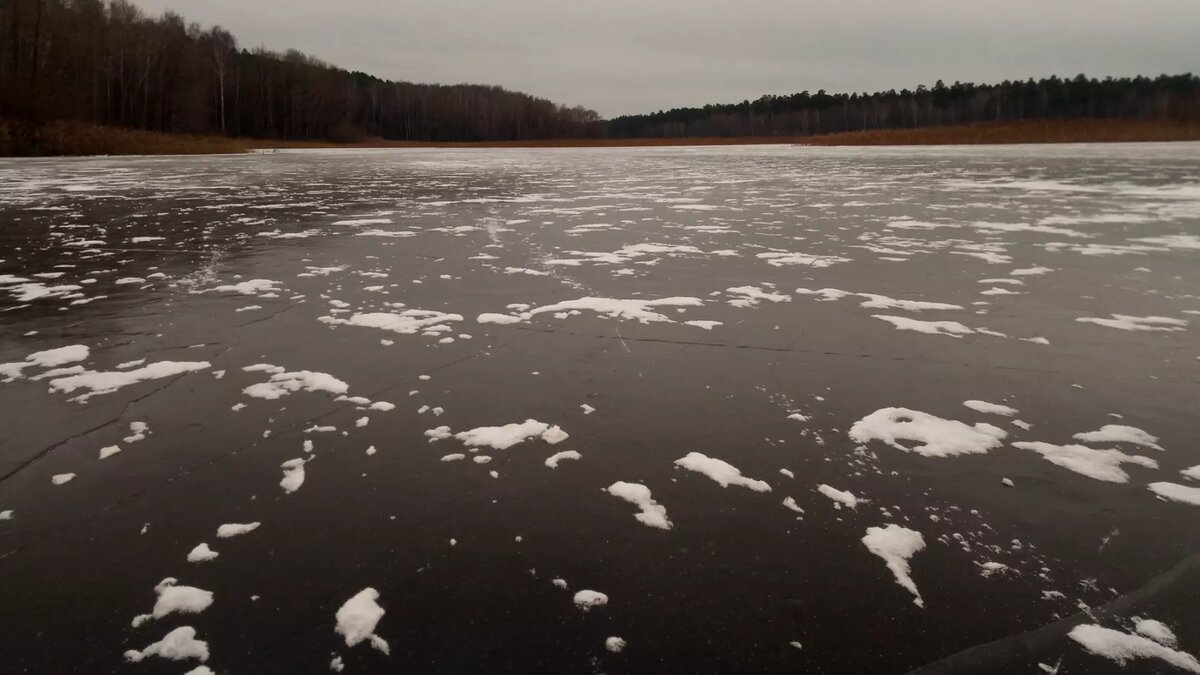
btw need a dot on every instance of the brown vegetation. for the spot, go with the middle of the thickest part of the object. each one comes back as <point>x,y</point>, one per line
<point>81,138</point>
<point>1038,131</point>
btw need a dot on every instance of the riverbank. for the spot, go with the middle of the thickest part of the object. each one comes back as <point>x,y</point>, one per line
<point>76,138</point>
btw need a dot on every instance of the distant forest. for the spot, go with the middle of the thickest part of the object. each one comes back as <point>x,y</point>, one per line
<point>106,62</point>
<point>109,63</point>
<point>1168,97</point>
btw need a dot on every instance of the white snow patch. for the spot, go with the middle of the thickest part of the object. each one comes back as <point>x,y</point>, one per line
<point>554,435</point>
<point>235,529</point>
<point>952,328</point>
<point>1177,493</point>
<point>653,514</point>
<point>293,475</point>
<point>1157,631</point>
<point>1124,647</point>
<point>1119,433</point>
<point>933,436</point>
<point>106,382</point>
<point>553,460</point>
<point>500,438</point>
<point>724,473</point>
<point>991,408</point>
<point>174,598</point>
<point>358,617</point>
<point>202,553</point>
<point>1137,323</point>
<point>586,599</point>
<point>1102,465</point>
<point>177,645</point>
<point>407,322</point>
<point>284,383</point>
<point>896,544</point>
<point>840,497</point>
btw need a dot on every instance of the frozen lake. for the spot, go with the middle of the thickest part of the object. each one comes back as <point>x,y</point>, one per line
<point>785,409</point>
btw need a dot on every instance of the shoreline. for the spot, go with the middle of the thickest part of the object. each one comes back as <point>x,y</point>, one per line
<point>67,139</point>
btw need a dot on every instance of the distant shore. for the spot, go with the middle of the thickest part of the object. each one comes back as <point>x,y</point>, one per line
<point>76,139</point>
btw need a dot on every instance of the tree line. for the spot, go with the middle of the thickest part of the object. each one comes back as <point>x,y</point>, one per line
<point>1174,97</point>
<point>108,62</point>
<point>105,61</point>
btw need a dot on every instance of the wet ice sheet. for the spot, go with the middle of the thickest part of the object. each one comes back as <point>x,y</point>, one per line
<point>989,352</point>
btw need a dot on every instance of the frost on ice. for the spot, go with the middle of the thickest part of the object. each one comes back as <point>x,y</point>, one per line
<point>896,544</point>
<point>652,513</point>
<point>358,617</point>
<point>931,436</point>
<point>720,471</point>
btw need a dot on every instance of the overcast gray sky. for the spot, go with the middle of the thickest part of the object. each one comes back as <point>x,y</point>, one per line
<point>626,56</point>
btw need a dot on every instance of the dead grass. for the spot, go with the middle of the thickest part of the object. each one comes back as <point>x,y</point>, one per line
<point>79,138</point>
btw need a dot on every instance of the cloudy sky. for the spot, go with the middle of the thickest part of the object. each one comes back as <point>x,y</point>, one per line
<point>625,56</point>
